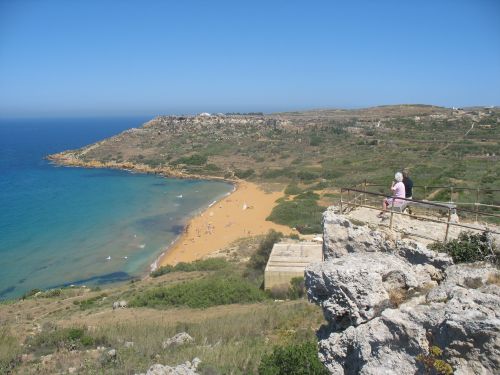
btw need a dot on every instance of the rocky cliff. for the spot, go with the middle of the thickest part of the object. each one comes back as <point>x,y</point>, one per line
<point>391,304</point>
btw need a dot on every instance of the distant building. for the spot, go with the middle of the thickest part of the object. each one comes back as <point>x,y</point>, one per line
<point>204,114</point>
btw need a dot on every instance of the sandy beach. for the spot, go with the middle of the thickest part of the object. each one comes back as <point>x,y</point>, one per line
<point>240,214</point>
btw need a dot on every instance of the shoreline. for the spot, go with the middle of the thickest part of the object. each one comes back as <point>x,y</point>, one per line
<point>200,235</point>
<point>239,214</point>
<point>158,261</point>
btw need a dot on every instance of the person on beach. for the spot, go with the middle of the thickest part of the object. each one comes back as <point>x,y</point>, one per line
<point>398,191</point>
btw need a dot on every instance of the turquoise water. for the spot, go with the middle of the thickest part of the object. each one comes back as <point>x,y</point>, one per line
<point>61,226</point>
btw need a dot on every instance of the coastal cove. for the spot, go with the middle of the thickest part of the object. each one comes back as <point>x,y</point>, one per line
<point>62,226</point>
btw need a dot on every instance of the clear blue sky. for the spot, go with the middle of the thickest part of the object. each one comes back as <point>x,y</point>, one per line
<point>83,58</point>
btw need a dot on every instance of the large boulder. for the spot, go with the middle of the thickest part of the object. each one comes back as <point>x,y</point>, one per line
<point>466,327</point>
<point>357,287</point>
<point>387,303</point>
<point>187,368</point>
<point>341,236</point>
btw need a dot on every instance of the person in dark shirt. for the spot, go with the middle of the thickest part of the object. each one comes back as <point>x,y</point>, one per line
<point>408,184</point>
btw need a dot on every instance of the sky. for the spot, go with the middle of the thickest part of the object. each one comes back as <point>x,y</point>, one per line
<point>146,57</point>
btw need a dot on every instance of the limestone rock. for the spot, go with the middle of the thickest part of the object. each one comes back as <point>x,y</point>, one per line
<point>357,287</point>
<point>187,368</point>
<point>388,302</point>
<point>341,236</point>
<point>179,339</point>
<point>369,334</point>
<point>111,353</point>
<point>417,254</point>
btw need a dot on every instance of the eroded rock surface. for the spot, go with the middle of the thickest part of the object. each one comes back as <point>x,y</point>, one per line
<point>388,302</point>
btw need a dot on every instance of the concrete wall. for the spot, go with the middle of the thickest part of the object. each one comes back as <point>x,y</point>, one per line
<point>288,260</point>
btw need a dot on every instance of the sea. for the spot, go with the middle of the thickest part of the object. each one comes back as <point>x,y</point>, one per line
<point>63,226</point>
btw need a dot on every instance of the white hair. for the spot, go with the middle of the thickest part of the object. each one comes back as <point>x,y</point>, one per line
<point>398,176</point>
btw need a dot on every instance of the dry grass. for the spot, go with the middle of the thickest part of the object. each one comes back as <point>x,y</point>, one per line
<point>494,278</point>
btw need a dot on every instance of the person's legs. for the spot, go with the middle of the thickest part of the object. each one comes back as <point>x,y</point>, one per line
<point>385,203</point>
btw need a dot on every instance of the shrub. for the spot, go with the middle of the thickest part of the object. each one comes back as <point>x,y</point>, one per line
<point>211,264</point>
<point>307,175</point>
<point>433,363</point>
<point>469,248</point>
<point>31,293</point>
<point>195,159</point>
<point>293,359</point>
<point>10,351</point>
<point>302,213</point>
<point>211,291</point>
<point>62,338</point>
<point>293,189</point>
<point>297,288</point>
<point>244,173</point>
<point>259,259</point>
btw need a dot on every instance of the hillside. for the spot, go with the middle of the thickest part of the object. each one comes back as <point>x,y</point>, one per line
<point>439,145</point>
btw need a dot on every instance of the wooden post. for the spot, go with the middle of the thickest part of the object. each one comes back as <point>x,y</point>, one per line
<point>447,225</point>
<point>341,201</point>
<point>364,195</point>
<point>425,192</point>
<point>451,194</point>
<point>476,203</point>
<point>392,213</point>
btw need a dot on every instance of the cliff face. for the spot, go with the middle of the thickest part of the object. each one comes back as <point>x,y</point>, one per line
<point>389,303</point>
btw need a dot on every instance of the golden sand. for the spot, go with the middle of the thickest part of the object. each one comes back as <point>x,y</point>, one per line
<point>241,214</point>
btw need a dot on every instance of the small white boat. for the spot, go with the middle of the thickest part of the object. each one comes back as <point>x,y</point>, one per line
<point>178,196</point>
<point>108,258</point>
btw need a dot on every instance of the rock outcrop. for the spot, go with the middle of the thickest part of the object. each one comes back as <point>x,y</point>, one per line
<point>187,368</point>
<point>388,302</point>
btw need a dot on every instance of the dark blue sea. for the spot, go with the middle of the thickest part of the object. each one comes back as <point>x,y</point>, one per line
<point>63,226</point>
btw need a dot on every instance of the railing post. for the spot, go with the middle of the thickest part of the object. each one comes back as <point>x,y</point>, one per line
<point>451,194</point>
<point>364,194</point>
<point>476,203</point>
<point>425,192</point>
<point>447,226</point>
<point>341,201</point>
<point>348,198</point>
<point>392,213</point>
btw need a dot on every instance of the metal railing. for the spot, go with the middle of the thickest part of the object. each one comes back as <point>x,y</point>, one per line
<point>359,198</point>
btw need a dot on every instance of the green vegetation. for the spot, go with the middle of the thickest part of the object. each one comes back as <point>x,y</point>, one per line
<point>209,291</point>
<point>293,359</point>
<point>293,189</point>
<point>469,247</point>
<point>195,159</point>
<point>433,364</point>
<point>10,351</point>
<point>259,259</point>
<point>53,338</point>
<point>210,264</point>
<point>302,213</point>
<point>90,302</point>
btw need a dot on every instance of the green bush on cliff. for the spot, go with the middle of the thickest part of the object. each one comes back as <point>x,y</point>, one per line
<point>211,264</point>
<point>259,259</point>
<point>293,359</point>
<point>210,291</point>
<point>469,247</point>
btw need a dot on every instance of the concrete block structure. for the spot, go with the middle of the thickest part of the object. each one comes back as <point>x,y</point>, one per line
<point>288,260</point>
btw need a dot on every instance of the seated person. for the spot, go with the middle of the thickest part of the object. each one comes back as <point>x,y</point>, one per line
<point>408,184</point>
<point>398,191</point>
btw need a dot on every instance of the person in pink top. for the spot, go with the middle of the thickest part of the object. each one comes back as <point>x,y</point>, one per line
<point>398,191</point>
